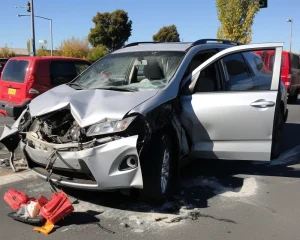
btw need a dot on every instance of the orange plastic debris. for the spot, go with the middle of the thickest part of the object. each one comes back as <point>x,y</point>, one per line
<point>46,229</point>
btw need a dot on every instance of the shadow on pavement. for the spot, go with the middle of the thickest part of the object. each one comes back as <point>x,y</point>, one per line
<point>200,181</point>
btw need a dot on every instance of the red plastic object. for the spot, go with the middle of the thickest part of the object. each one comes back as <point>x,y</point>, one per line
<point>16,198</point>
<point>57,207</point>
<point>42,201</point>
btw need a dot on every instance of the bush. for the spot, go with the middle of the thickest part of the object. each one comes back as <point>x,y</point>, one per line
<point>74,47</point>
<point>97,53</point>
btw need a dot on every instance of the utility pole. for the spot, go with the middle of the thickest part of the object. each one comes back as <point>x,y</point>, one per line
<point>291,37</point>
<point>32,40</point>
<point>32,28</point>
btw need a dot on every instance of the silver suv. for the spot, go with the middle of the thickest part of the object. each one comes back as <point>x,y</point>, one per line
<point>133,117</point>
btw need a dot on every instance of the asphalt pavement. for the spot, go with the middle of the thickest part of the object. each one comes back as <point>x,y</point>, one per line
<point>214,200</point>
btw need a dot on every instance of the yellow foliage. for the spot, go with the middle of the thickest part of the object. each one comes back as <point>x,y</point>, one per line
<point>6,53</point>
<point>42,52</point>
<point>74,47</point>
<point>236,17</point>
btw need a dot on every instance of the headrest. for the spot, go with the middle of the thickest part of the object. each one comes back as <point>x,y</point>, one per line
<point>152,70</point>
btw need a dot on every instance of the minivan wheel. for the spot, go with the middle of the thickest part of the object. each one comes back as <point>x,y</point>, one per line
<point>277,133</point>
<point>158,170</point>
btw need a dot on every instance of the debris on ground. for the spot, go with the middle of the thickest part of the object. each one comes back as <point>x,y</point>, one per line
<point>19,164</point>
<point>38,211</point>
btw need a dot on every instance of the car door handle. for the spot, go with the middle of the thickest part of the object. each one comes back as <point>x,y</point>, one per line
<point>262,104</point>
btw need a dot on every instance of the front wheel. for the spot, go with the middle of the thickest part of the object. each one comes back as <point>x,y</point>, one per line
<point>157,169</point>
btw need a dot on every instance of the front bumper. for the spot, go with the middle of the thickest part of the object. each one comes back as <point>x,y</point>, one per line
<point>100,163</point>
<point>12,109</point>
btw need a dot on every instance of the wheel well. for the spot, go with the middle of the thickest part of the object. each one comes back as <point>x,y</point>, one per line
<point>169,129</point>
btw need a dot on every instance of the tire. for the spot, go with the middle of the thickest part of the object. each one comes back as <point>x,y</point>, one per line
<point>157,169</point>
<point>292,98</point>
<point>277,133</point>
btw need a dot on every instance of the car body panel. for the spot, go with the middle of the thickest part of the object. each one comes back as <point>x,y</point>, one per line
<point>89,106</point>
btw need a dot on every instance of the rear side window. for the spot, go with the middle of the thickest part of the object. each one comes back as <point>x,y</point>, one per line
<point>239,78</point>
<point>81,66</point>
<point>295,61</point>
<point>272,58</point>
<point>15,71</point>
<point>62,72</point>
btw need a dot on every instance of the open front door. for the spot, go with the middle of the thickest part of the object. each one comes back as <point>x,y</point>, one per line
<point>229,110</point>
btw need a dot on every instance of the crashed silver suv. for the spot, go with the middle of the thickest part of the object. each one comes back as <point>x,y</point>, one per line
<point>133,117</point>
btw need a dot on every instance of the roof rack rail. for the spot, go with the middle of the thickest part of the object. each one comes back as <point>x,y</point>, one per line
<point>223,41</point>
<point>137,43</point>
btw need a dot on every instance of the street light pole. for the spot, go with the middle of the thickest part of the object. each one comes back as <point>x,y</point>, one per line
<point>51,37</point>
<point>32,28</point>
<point>291,37</point>
<point>51,33</point>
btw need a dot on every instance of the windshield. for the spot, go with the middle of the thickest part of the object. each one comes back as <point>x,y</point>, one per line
<point>132,70</point>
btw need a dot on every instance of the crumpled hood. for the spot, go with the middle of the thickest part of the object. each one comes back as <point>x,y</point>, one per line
<point>88,106</point>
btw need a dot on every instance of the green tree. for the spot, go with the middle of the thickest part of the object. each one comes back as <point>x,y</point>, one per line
<point>28,46</point>
<point>97,53</point>
<point>111,29</point>
<point>236,17</point>
<point>74,47</point>
<point>167,34</point>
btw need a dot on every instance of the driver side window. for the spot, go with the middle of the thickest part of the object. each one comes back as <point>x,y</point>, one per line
<point>207,80</point>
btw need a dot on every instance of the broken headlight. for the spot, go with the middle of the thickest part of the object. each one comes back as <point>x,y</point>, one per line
<point>109,127</point>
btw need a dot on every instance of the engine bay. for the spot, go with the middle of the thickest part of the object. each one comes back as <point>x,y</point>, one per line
<point>58,127</point>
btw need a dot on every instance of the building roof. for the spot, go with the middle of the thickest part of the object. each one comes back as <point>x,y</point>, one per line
<point>18,51</point>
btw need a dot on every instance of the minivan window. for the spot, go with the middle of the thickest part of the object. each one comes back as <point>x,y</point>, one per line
<point>262,78</point>
<point>295,61</point>
<point>15,71</point>
<point>272,57</point>
<point>62,72</point>
<point>81,66</point>
<point>132,70</point>
<point>239,77</point>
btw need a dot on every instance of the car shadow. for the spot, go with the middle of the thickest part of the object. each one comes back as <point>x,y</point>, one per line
<point>204,179</point>
<point>200,181</point>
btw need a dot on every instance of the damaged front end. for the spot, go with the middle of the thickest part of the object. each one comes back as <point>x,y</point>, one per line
<point>100,156</point>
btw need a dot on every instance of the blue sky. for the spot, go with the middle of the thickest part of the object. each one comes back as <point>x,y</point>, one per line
<point>195,19</point>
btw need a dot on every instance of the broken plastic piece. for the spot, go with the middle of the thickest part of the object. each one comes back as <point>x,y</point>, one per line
<point>33,209</point>
<point>46,229</point>
<point>42,201</point>
<point>57,207</point>
<point>16,198</point>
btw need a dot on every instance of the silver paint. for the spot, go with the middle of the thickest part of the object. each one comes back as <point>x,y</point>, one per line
<point>89,106</point>
<point>103,161</point>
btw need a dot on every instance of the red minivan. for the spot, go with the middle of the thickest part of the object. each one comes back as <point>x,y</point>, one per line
<point>24,78</point>
<point>290,71</point>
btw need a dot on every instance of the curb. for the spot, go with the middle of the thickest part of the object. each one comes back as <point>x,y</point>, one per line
<point>15,177</point>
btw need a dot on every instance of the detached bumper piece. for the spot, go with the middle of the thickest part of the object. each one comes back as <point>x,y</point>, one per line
<point>39,211</point>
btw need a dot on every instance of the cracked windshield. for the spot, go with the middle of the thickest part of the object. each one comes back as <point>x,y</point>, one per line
<point>168,120</point>
<point>135,71</point>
